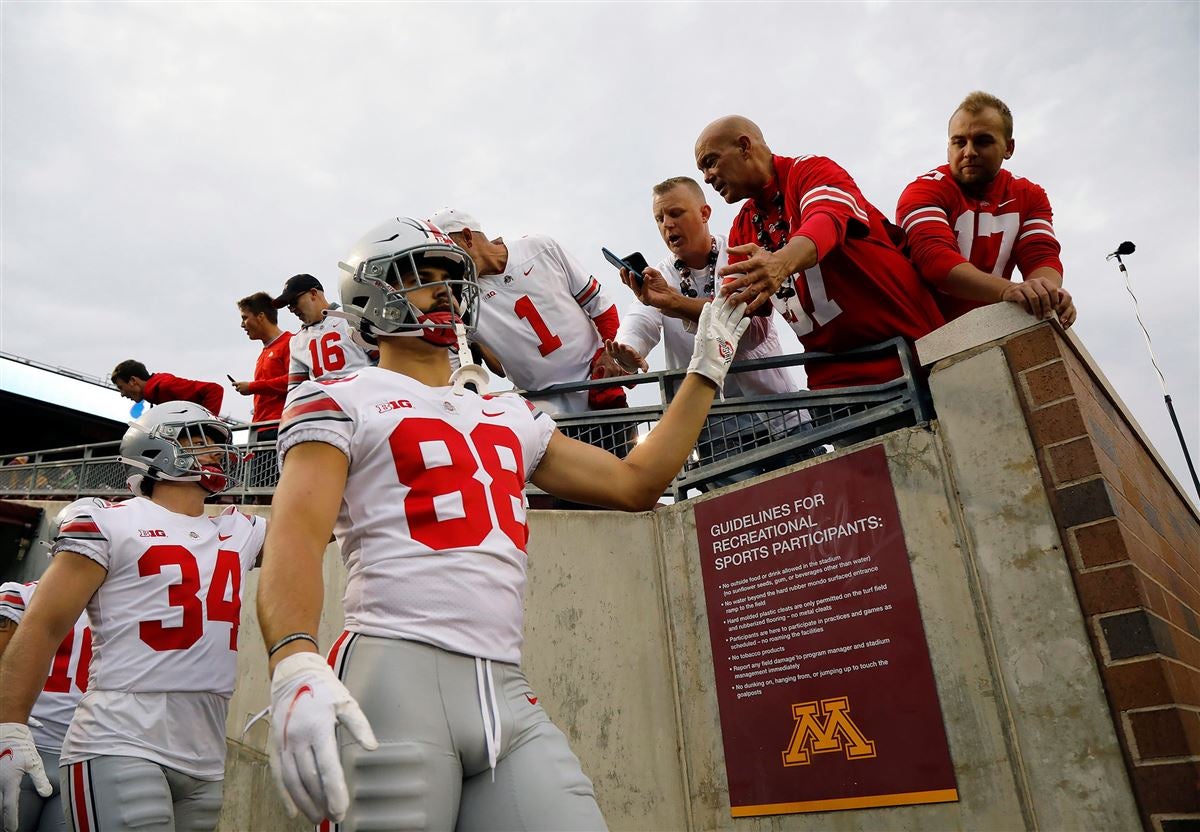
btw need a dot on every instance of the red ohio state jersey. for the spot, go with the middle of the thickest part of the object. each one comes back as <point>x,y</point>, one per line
<point>536,318</point>
<point>326,350</point>
<point>68,679</point>
<point>1009,226</point>
<point>432,524</point>
<point>863,290</point>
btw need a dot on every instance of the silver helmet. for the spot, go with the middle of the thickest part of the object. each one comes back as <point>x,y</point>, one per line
<point>169,441</point>
<point>374,292</point>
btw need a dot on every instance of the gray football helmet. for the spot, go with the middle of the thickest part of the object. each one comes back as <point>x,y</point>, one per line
<point>167,442</point>
<point>374,294</point>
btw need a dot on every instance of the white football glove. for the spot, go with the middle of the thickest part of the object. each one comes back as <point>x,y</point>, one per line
<point>18,756</point>
<point>307,703</point>
<point>717,332</point>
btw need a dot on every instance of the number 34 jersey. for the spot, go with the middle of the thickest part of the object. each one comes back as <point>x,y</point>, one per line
<point>164,631</point>
<point>432,524</point>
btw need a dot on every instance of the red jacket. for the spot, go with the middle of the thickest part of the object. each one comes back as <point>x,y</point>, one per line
<point>164,387</point>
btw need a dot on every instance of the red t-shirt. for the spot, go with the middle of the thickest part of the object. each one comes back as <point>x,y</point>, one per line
<point>863,290</point>
<point>164,387</point>
<point>1010,225</point>
<point>270,383</point>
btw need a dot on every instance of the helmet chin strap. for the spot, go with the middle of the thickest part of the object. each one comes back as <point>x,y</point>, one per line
<point>469,375</point>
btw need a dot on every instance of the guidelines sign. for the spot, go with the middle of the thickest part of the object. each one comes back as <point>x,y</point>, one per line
<point>823,677</point>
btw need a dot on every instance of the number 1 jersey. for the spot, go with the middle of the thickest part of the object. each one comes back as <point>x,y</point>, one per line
<point>432,524</point>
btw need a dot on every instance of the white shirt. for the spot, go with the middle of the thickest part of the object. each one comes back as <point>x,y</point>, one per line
<point>325,349</point>
<point>68,677</point>
<point>642,326</point>
<point>164,632</point>
<point>432,523</point>
<point>536,317</point>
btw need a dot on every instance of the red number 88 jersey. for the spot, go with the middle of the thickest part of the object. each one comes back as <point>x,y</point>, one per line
<point>432,525</point>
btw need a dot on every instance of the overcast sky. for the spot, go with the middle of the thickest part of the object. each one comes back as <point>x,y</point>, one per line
<point>160,161</point>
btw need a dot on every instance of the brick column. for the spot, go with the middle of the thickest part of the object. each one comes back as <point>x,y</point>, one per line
<point>1133,545</point>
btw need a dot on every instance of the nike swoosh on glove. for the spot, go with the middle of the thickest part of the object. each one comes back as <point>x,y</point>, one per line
<point>717,333</point>
<point>307,703</point>
<point>18,757</point>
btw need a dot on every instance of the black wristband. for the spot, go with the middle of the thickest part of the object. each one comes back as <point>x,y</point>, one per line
<point>288,639</point>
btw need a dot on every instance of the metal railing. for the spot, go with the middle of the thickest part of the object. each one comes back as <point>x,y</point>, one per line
<point>741,437</point>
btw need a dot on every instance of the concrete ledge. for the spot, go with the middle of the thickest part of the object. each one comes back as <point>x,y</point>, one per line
<point>975,329</point>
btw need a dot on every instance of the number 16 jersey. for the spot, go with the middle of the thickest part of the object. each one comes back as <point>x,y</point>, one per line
<point>432,524</point>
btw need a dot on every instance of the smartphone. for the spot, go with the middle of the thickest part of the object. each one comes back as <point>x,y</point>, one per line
<point>231,381</point>
<point>635,263</point>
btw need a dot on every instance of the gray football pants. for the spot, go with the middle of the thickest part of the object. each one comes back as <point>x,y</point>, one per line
<point>36,813</point>
<point>432,769</point>
<point>106,794</point>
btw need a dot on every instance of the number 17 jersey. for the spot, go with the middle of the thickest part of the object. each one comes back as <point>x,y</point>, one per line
<point>432,524</point>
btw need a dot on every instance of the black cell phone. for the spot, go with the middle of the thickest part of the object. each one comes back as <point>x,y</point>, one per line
<point>635,263</point>
<point>231,381</point>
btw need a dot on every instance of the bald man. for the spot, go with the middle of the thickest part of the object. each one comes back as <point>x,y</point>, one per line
<point>808,242</point>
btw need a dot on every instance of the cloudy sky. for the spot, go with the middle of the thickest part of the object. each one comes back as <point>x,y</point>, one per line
<point>160,161</point>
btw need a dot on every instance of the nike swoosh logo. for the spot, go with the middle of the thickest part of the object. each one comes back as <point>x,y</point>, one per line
<point>532,699</point>
<point>6,753</point>
<point>527,271</point>
<point>223,537</point>
<point>501,413</point>
<point>303,690</point>
<point>1005,202</point>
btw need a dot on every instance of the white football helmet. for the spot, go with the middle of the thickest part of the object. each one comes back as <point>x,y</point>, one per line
<point>168,442</point>
<point>373,290</point>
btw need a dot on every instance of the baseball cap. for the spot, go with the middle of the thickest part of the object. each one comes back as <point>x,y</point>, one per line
<point>296,286</point>
<point>452,219</point>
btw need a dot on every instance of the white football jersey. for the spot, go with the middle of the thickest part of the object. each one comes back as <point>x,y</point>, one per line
<point>326,350</point>
<point>68,677</point>
<point>536,318</point>
<point>432,524</point>
<point>164,631</point>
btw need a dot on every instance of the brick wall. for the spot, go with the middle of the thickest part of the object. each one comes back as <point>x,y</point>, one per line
<point>1134,550</point>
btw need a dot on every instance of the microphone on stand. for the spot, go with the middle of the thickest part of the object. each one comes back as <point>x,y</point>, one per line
<point>1128,248</point>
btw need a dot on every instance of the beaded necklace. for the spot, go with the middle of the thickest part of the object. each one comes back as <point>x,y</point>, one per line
<point>687,286</point>
<point>763,231</point>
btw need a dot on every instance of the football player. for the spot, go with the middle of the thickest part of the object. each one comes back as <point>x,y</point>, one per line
<point>542,316</point>
<point>161,582</point>
<point>64,686</point>
<point>323,347</point>
<point>422,483</point>
<point>970,223</point>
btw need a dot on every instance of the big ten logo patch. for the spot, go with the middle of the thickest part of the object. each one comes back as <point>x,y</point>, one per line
<point>825,726</point>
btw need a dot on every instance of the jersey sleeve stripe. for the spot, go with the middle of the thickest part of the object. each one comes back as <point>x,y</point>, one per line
<point>312,403</point>
<point>84,527</point>
<point>910,226</point>
<point>585,295</point>
<point>1037,221</point>
<point>1044,231</point>
<point>933,209</point>
<point>827,192</point>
